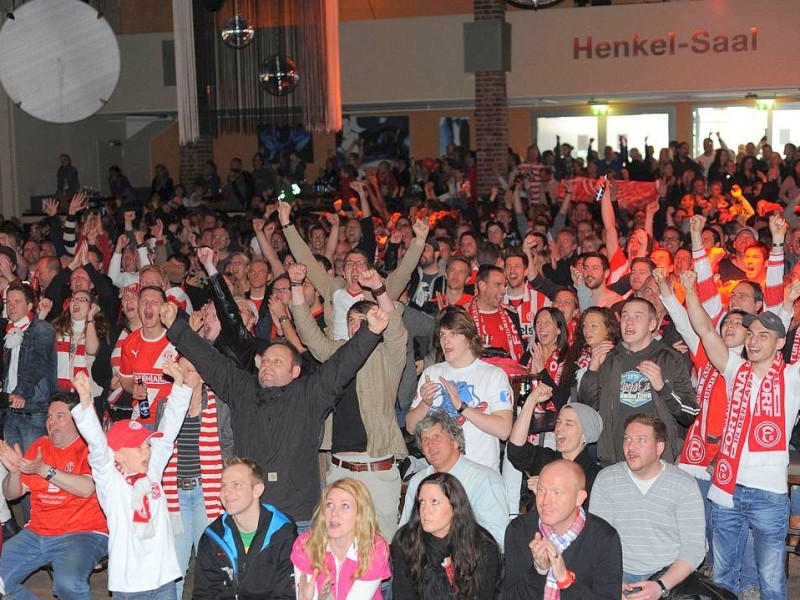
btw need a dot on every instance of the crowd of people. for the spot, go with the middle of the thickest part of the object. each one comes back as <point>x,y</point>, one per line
<point>578,386</point>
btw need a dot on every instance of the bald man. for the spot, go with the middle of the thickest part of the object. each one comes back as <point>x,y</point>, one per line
<point>560,545</point>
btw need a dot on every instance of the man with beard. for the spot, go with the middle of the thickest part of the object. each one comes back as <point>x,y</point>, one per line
<point>655,507</point>
<point>427,278</point>
<point>639,375</point>
<point>468,248</point>
<point>277,415</point>
<point>143,354</point>
<point>498,327</point>
<point>593,291</point>
<point>524,299</point>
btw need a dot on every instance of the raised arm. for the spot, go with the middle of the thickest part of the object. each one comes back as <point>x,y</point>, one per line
<point>232,384</point>
<point>303,254</point>
<point>398,279</point>
<point>320,345</point>
<point>676,311</point>
<point>333,237</point>
<point>715,347</point>
<point>773,292</point>
<point>263,232</point>
<point>609,219</point>
<point>706,288</point>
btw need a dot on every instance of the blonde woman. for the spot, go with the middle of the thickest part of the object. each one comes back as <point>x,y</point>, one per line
<point>342,556</point>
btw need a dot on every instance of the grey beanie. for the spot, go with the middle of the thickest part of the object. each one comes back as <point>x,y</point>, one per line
<point>590,419</point>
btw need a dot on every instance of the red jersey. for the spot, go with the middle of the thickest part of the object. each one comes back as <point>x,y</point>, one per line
<point>54,511</point>
<point>143,359</point>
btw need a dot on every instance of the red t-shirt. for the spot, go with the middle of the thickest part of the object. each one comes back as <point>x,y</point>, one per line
<point>143,359</point>
<point>54,511</point>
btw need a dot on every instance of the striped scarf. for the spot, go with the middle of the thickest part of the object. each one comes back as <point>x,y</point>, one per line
<point>210,468</point>
<point>561,542</point>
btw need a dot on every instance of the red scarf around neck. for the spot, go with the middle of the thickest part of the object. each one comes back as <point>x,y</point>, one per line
<point>506,324</point>
<point>764,430</point>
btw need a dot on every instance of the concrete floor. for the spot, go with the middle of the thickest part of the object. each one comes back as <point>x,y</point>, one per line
<point>39,583</point>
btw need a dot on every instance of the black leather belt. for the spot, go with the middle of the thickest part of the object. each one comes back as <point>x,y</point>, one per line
<point>360,467</point>
<point>188,483</point>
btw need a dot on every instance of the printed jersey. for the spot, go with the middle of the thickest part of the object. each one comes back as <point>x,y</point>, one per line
<point>54,511</point>
<point>143,359</point>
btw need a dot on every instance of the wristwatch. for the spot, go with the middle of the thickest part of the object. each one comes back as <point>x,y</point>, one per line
<point>51,472</point>
<point>664,589</point>
<point>282,319</point>
<point>464,406</point>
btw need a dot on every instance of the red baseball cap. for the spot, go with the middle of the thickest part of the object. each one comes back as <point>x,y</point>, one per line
<point>129,434</point>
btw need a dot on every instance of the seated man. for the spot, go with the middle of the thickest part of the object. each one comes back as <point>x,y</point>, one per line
<point>656,508</point>
<point>226,566</point>
<point>67,526</point>
<point>442,442</point>
<point>559,545</point>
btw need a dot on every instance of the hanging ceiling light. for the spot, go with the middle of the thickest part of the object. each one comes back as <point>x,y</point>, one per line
<point>278,75</point>
<point>237,32</point>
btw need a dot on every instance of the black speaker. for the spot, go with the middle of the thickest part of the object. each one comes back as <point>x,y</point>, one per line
<point>487,46</point>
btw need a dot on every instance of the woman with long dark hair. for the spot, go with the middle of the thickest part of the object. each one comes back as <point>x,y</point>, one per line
<point>442,553</point>
<point>595,326</point>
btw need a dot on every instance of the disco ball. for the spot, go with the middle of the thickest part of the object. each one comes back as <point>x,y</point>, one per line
<point>237,32</point>
<point>278,75</point>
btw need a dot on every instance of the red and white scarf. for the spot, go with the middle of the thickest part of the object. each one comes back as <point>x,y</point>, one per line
<point>15,331</point>
<point>764,430</point>
<point>72,358</point>
<point>143,527</point>
<point>506,324</point>
<point>697,452</point>
<point>210,468</point>
<point>562,542</point>
<point>795,355</point>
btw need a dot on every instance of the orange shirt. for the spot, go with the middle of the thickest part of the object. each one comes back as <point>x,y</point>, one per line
<point>54,511</point>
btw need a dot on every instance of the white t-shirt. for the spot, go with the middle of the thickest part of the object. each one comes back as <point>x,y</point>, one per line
<point>342,302</point>
<point>483,387</point>
<point>758,470</point>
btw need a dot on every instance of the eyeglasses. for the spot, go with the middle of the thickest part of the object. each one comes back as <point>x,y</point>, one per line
<point>80,300</point>
<point>283,290</point>
<point>671,238</point>
<point>355,263</point>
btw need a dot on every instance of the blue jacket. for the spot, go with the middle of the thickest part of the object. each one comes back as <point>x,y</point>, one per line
<point>37,367</point>
<point>225,571</point>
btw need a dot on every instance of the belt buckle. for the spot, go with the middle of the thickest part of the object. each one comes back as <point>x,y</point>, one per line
<point>187,484</point>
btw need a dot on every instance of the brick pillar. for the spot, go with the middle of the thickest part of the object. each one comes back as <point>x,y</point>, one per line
<point>491,108</point>
<point>193,157</point>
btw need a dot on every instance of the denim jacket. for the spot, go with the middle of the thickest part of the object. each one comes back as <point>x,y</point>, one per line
<point>37,366</point>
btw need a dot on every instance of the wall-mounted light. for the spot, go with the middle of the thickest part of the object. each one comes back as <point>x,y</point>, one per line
<point>598,108</point>
<point>765,103</point>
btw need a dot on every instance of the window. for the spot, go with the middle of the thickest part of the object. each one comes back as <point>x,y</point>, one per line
<point>573,130</point>
<point>653,125</point>
<point>735,124</point>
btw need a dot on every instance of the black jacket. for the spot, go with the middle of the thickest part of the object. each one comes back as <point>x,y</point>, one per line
<point>435,584</point>
<point>224,570</point>
<point>278,427</point>
<point>234,341</point>
<point>595,557</point>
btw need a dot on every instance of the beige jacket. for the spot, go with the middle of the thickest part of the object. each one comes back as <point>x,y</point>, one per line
<point>326,285</point>
<point>376,381</point>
